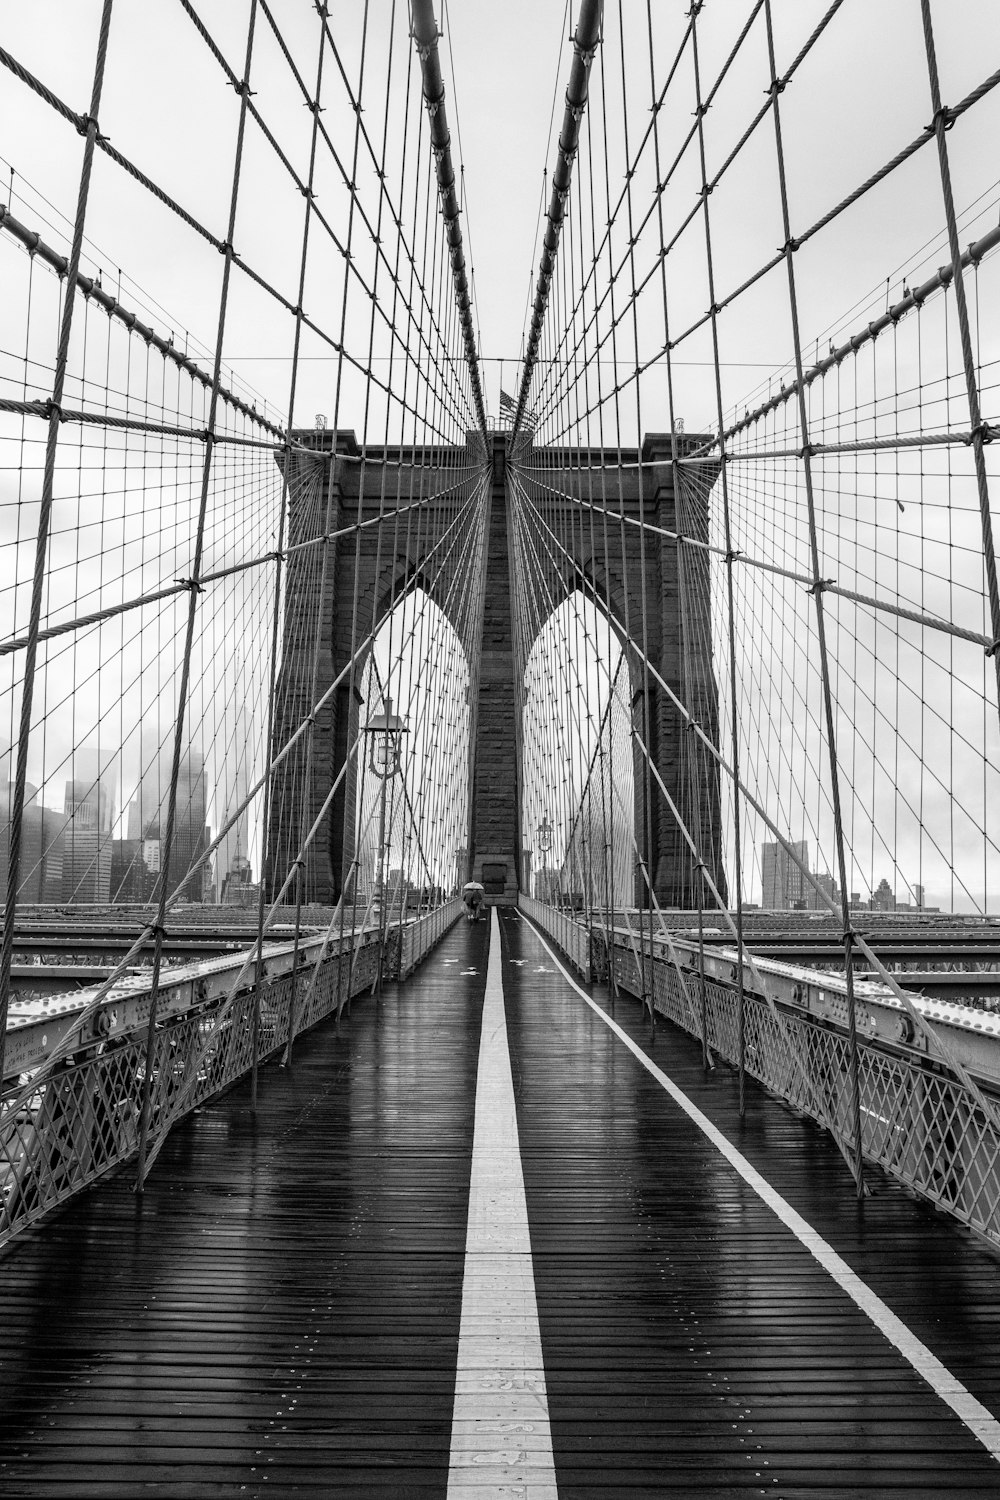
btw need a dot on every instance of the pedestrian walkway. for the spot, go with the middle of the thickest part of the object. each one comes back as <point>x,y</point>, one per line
<point>641,1295</point>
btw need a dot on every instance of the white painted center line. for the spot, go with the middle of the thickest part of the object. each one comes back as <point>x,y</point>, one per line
<point>501,1444</point>
<point>977,1418</point>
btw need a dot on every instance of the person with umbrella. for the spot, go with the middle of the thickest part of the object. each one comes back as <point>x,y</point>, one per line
<point>473,895</point>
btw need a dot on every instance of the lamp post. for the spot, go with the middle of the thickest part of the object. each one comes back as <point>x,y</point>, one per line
<point>386,730</point>
<point>543,839</point>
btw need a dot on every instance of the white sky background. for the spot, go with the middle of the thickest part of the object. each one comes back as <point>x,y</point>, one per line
<point>861,97</point>
<point>166,107</point>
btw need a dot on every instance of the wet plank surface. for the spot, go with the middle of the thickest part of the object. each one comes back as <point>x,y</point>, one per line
<point>692,1345</point>
<point>282,1316</point>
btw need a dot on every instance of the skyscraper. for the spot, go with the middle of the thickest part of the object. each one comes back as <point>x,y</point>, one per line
<point>785,886</point>
<point>88,813</point>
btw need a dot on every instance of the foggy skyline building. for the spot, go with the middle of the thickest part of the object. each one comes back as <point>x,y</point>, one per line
<point>146,824</point>
<point>785,886</point>
<point>88,809</point>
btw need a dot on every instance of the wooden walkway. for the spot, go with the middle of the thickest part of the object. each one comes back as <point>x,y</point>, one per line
<point>282,1314</point>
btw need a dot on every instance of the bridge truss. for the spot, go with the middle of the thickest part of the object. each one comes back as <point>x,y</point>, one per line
<point>753,627</point>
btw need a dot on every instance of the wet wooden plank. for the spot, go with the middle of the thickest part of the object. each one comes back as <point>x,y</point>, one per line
<point>692,1345</point>
<point>283,1313</point>
<point>282,1310</point>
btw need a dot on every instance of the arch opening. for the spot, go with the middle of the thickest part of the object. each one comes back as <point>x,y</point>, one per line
<point>577,771</point>
<point>411,778</point>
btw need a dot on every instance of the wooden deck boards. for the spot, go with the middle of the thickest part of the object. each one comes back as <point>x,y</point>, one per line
<point>728,1360</point>
<point>282,1314</point>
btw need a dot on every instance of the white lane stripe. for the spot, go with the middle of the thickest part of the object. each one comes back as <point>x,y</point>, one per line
<point>501,1444</point>
<point>976,1417</point>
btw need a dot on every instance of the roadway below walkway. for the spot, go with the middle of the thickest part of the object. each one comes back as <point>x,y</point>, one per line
<point>639,1294</point>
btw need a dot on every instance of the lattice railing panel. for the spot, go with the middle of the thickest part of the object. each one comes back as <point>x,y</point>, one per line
<point>83,1120</point>
<point>920,1125</point>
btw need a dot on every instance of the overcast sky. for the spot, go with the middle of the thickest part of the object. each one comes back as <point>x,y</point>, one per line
<point>861,96</point>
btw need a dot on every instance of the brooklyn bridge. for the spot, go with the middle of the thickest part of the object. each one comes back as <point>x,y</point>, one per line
<point>500,944</point>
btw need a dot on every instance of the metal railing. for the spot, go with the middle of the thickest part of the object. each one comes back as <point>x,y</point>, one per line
<point>420,936</point>
<point>920,1122</point>
<point>566,929</point>
<point>65,1127</point>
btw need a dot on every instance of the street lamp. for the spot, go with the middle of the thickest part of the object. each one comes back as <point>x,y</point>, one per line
<point>386,730</point>
<point>543,839</point>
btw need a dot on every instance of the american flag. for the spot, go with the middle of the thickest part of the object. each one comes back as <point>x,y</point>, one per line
<point>507,403</point>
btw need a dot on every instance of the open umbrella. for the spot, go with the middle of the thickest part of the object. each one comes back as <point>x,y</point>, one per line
<point>473,895</point>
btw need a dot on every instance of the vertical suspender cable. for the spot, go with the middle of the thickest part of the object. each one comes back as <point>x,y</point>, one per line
<point>824,658</point>
<point>44,525</point>
<point>195,588</point>
<point>282,521</point>
<point>942,119</point>
<point>730,557</point>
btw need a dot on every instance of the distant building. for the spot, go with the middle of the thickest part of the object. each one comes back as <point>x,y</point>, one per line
<point>883,898</point>
<point>41,863</point>
<point>147,814</point>
<point>830,889</point>
<point>785,886</point>
<point>238,888</point>
<point>87,843</point>
<point>130,879</point>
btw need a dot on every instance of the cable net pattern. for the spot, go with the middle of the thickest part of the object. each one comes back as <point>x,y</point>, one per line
<point>798,575</point>
<point>233,625</point>
<point>746,493</point>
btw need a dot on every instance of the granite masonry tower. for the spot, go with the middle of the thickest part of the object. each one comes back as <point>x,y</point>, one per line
<point>330,490</point>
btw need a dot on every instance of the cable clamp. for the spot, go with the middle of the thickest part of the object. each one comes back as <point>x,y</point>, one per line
<point>943,113</point>
<point>820,586</point>
<point>243,88</point>
<point>777,87</point>
<point>992,650</point>
<point>733,554</point>
<point>52,408</point>
<point>791,244</point>
<point>84,123</point>
<point>190,583</point>
<point>984,432</point>
<point>807,450</point>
